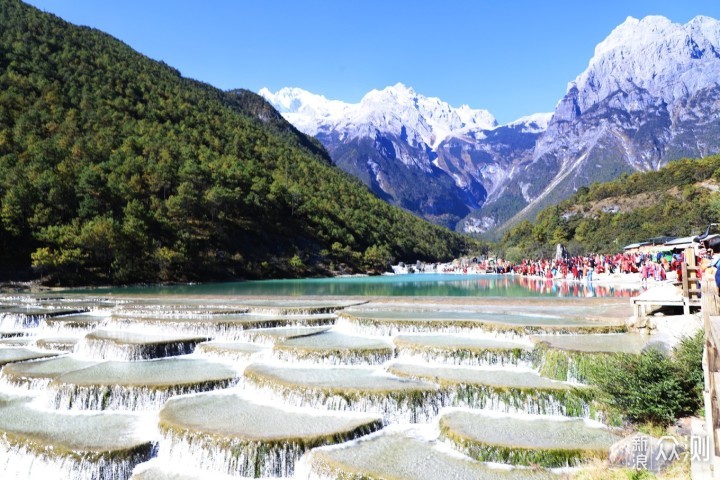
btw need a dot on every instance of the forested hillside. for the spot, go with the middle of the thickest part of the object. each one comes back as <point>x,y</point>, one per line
<point>114,168</point>
<point>680,199</point>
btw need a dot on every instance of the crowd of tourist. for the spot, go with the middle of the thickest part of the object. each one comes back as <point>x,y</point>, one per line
<point>651,265</point>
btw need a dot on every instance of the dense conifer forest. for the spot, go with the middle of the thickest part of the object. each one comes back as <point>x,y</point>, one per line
<point>680,199</point>
<point>116,169</point>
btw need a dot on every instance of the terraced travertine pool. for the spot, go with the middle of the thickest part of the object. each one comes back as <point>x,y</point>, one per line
<point>119,387</point>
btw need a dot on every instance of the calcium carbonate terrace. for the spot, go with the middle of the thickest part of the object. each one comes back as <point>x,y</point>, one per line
<point>464,349</point>
<point>526,439</point>
<point>277,388</point>
<point>137,385</point>
<point>48,443</point>
<point>220,326</point>
<point>135,345</point>
<point>509,323</point>
<point>233,433</point>
<point>335,348</point>
<point>407,453</point>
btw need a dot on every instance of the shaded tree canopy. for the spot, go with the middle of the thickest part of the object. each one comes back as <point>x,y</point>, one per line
<point>114,168</point>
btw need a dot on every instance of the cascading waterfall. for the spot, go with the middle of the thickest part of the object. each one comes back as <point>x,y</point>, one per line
<point>296,344</point>
<point>247,459</point>
<point>388,328</point>
<point>23,383</point>
<point>292,311</point>
<point>70,324</point>
<point>17,320</point>
<point>121,397</point>
<point>18,462</point>
<point>467,357</point>
<point>107,350</point>
<point>216,326</point>
<point>395,407</point>
<point>58,344</point>
<point>352,357</point>
<point>234,433</point>
<point>569,403</point>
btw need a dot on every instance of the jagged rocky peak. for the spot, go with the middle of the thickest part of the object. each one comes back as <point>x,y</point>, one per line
<point>396,109</point>
<point>669,60</point>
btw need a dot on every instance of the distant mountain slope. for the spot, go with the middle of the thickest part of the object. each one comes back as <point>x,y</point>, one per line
<point>650,94</point>
<point>114,168</point>
<point>416,152</point>
<point>679,199</point>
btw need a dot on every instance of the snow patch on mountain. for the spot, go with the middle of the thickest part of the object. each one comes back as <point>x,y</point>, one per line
<point>669,60</point>
<point>398,110</point>
<point>535,123</point>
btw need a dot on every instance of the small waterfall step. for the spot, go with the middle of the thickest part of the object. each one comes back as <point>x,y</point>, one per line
<point>156,469</point>
<point>140,385</point>
<point>633,343</point>
<point>465,349</point>
<point>230,433</point>
<point>40,444</point>
<point>171,309</point>
<point>225,327</point>
<point>20,317</point>
<point>72,323</point>
<point>547,441</point>
<point>17,341</point>
<point>298,307</point>
<point>356,388</point>
<point>106,344</point>
<point>60,344</point>
<point>335,348</point>
<point>11,354</point>
<point>404,453</point>
<point>513,390</point>
<point>571,357</point>
<point>233,351</point>
<point>271,336</point>
<point>374,321</point>
<point>38,374</point>
<point>56,344</point>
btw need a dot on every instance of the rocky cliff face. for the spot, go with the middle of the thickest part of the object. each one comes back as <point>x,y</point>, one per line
<point>650,94</point>
<point>417,152</point>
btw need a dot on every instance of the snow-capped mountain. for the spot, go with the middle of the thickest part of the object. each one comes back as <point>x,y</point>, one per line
<point>650,94</point>
<point>403,146</point>
<point>667,60</point>
<point>391,110</point>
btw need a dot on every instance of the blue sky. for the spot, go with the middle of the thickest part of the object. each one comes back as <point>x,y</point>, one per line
<point>512,57</point>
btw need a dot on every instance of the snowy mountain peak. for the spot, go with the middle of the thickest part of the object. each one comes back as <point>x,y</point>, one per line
<point>537,122</point>
<point>666,59</point>
<point>397,110</point>
<point>398,91</point>
<point>633,30</point>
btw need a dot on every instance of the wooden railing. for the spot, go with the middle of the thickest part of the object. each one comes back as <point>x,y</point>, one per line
<point>711,319</point>
<point>690,270</point>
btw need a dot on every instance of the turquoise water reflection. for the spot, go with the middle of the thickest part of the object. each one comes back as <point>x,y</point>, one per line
<point>441,285</point>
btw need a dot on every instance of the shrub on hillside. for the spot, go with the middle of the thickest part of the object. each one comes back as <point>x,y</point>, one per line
<point>654,387</point>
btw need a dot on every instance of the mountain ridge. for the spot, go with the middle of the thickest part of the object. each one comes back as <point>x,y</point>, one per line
<point>648,95</point>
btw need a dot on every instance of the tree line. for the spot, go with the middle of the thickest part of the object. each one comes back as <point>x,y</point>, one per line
<point>678,200</point>
<point>116,169</point>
